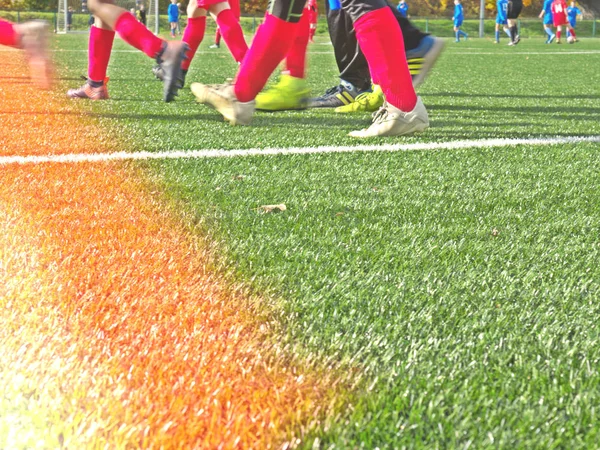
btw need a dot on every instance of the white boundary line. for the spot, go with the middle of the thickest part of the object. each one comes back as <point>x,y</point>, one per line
<point>178,154</point>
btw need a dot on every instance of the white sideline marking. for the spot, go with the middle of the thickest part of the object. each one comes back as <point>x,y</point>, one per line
<point>178,154</point>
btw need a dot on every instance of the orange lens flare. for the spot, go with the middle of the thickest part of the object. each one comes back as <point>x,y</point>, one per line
<point>115,330</point>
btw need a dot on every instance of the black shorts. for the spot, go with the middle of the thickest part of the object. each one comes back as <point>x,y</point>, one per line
<point>514,8</point>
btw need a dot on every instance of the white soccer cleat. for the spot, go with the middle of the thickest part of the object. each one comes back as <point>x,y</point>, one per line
<point>223,99</point>
<point>391,121</point>
<point>34,41</point>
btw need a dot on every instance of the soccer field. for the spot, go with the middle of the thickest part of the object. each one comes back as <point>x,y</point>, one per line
<point>434,291</point>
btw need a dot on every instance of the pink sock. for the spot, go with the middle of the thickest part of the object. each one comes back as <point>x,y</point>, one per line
<point>573,33</point>
<point>99,49</point>
<point>218,37</point>
<point>270,45</point>
<point>192,36</point>
<point>381,41</point>
<point>137,35</point>
<point>8,35</point>
<point>295,59</point>
<point>558,34</point>
<point>231,30</point>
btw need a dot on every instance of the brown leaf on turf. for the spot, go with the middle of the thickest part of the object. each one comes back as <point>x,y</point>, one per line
<point>495,232</point>
<point>272,208</point>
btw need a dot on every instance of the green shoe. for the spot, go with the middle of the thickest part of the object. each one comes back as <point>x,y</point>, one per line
<point>365,102</point>
<point>289,93</point>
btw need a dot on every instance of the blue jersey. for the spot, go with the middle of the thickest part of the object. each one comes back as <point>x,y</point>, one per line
<point>572,13</point>
<point>547,8</point>
<point>458,12</point>
<point>173,12</point>
<point>403,9</point>
<point>502,15</point>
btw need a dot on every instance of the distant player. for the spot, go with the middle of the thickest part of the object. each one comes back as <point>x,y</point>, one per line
<point>109,19</point>
<point>142,14</point>
<point>572,13</point>
<point>403,8</point>
<point>458,20</point>
<point>173,13</point>
<point>546,16</point>
<point>501,19</point>
<point>32,37</point>
<point>514,10</point>
<point>559,17</point>
<point>313,18</point>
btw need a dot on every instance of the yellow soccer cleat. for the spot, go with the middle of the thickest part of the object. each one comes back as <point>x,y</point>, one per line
<point>288,93</point>
<point>365,102</point>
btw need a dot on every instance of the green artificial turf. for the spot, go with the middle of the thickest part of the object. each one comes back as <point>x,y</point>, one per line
<point>458,289</point>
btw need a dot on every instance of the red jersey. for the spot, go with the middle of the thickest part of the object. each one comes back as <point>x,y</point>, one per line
<point>559,12</point>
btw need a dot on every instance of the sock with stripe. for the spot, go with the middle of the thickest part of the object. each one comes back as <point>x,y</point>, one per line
<point>269,47</point>
<point>192,36</point>
<point>231,30</point>
<point>99,49</point>
<point>137,35</point>
<point>381,41</point>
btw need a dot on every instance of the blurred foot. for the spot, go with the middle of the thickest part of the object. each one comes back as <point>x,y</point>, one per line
<point>288,93</point>
<point>34,37</point>
<point>222,98</point>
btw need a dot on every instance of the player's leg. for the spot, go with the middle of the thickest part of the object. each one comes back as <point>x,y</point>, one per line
<point>217,43</point>
<point>193,33</point>
<point>270,45</point>
<point>32,37</point>
<point>192,36</point>
<point>229,26</point>
<point>381,41</point>
<point>99,49</point>
<point>354,74</point>
<point>422,49</point>
<point>291,92</point>
<point>168,54</point>
<point>558,33</point>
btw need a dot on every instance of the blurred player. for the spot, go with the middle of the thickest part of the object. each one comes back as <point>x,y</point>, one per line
<point>403,8</point>
<point>559,17</point>
<point>458,20</point>
<point>514,10</point>
<point>110,18</point>
<point>226,15</point>
<point>572,13</point>
<point>313,18</point>
<point>546,16</point>
<point>381,41</point>
<point>173,14</point>
<point>32,37</point>
<point>502,19</point>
